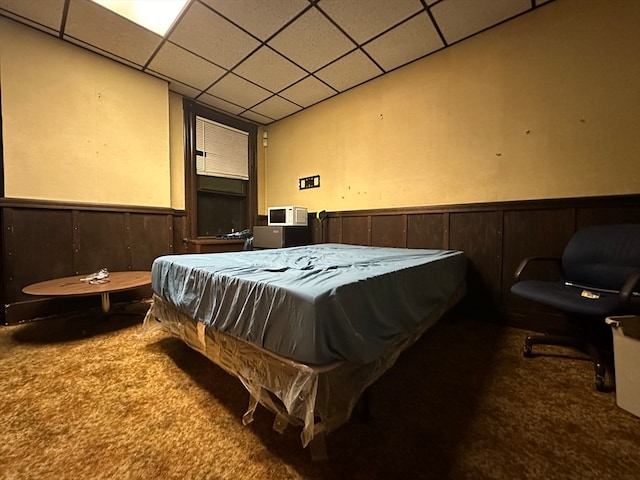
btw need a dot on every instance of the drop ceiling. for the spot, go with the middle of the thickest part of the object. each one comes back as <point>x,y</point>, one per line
<point>263,60</point>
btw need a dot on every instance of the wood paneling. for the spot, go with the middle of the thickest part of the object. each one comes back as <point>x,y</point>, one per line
<point>317,229</point>
<point>333,233</point>
<point>533,233</point>
<point>479,236</point>
<point>389,231</point>
<point>606,215</point>
<point>428,230</point>
<point>356,230</point>
<point>101,240</point>
<point>37,247</point>
<point>495,238</point>
<point>44,240</point>
<point>180,234</point>
<point>150,236</point>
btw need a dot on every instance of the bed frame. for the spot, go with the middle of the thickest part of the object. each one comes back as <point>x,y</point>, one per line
<point>317,398</point>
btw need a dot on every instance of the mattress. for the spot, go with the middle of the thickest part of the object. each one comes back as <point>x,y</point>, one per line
<point>315,304</point>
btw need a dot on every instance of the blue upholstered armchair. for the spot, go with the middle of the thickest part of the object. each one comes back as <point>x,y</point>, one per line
<point>600,270</point>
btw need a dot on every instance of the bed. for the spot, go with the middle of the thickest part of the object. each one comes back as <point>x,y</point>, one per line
<point>305,329</point>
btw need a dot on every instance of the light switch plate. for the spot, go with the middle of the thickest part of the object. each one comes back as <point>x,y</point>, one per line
<point>309,182</point>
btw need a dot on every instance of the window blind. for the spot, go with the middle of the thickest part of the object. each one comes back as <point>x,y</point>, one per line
<point>221,151</point>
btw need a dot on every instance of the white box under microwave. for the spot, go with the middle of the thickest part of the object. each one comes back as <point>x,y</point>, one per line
<point>287,216</point>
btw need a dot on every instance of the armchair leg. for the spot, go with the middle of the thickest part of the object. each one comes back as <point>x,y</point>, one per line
<point>598,365</point>
<point>573,342</point>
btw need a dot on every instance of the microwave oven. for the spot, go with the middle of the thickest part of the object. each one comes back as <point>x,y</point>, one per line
<point>287,216</point>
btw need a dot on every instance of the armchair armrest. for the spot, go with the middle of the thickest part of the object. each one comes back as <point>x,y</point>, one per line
<point>528,260</point>
<point>629,287</point>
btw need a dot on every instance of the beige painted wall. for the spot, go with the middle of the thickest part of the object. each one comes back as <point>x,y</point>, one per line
<point>262,162</point>
<point>176,142</point>
<point>79,127</point>
<point>544,106</point>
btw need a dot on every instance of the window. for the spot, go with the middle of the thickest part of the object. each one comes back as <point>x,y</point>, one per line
<point>220,161</point>
<point>221,151</point>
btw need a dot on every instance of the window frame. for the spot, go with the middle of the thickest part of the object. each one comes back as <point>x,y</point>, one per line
<point>192,109</point>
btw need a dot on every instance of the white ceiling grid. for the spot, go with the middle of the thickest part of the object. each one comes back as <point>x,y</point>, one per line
<point>264,60</point>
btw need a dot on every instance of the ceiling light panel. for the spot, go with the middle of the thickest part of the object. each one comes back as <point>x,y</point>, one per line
<point>154,15</point>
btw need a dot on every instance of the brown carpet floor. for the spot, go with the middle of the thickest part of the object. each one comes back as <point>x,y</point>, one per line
<point>462,403</point>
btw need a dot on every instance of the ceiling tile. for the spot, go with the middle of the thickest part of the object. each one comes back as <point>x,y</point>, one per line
<point>276,107</point>
<point>103,53</point>
<point>216,39</point>
<point>351,70</point>
<point>239,91</point>
<point>307,92</point>
<point>177,63</point>
<point>413,39</point>
<point>458,19</point>
<point>220,104</point>
<point>311,41</point>
<point>40,14</point>
<point>364,19</point>
<point>262,19</point>
<point>95,25</point>
<point>269,69</point>
<point>256,117</point>
<point>182,89</point>
<point>341,43</point>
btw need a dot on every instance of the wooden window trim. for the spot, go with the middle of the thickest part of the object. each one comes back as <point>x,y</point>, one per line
<point>191,110</point>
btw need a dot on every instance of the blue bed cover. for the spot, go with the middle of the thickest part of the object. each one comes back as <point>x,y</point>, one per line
<point>314,304</point>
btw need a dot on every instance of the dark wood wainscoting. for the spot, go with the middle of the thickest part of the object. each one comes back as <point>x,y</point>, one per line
<point>495,238</point>
<point>44,240</point>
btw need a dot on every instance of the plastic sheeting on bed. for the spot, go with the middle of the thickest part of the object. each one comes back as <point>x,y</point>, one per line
<point>318,398</point>
<point>315,304</point>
